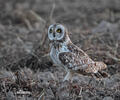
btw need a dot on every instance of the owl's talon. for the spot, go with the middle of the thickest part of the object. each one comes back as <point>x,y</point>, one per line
<point>54,65</point>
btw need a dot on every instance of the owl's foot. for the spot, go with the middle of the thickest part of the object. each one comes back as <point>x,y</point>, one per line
<point>67,77</point>
<point>54,65</point>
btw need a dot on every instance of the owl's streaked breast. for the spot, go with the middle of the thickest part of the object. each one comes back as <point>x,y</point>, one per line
<point>54,53</point>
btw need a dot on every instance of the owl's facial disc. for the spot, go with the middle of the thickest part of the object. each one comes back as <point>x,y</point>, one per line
<point>56,32</point>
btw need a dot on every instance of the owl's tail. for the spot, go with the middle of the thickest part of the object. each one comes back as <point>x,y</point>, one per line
<point>100,65</point>
<point>96,70</point>
<point>100,73</point>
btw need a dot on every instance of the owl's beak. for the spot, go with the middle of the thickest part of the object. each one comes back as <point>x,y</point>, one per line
<point>54,34</point>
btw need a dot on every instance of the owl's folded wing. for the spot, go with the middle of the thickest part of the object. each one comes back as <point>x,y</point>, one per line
<point>74,61</point>
<point>80,64</point>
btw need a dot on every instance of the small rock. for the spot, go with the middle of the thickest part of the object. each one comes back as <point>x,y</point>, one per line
<point>108,98</point>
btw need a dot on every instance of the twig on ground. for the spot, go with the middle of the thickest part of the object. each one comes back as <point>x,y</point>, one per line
<point>50,20</point>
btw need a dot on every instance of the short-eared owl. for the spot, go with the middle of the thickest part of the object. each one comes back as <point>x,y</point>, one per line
<point>64,53</point>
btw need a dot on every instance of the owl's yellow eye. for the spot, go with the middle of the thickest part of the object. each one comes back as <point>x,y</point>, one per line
<point>50,31</point>
<point>59,30</point>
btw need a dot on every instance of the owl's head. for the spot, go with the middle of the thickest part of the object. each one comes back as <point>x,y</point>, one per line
<point>56,32</point>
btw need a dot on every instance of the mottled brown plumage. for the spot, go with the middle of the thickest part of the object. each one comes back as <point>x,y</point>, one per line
<point>67,55</point>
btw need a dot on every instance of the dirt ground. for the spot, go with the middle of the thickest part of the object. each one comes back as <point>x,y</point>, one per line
<point>27,73</point>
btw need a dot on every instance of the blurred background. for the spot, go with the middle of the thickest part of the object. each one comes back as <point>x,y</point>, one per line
<point>94,26</point>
